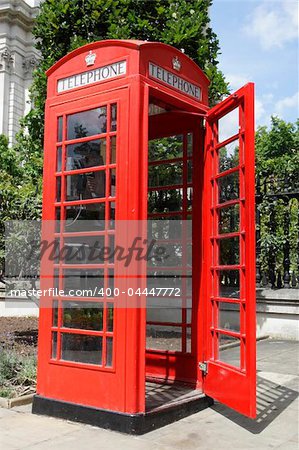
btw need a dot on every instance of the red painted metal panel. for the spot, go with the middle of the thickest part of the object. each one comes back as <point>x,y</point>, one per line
<point>230,380</point>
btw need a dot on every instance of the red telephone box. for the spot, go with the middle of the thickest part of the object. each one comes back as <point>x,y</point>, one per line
<point>110,106</point>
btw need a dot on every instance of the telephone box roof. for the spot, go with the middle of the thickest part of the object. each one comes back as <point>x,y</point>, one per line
<point>128,43</point>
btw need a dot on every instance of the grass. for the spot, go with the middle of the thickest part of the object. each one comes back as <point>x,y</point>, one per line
<point>17,373</point>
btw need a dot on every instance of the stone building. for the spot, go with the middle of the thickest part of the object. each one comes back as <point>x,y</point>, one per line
<point>18,57</point>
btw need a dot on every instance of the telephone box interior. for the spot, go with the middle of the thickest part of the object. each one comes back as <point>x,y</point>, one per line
<point>130,138</point>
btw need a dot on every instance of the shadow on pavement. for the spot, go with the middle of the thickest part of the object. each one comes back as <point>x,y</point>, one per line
<point>272,400</point>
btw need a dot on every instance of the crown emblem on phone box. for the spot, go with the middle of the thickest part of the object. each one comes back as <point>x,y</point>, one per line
<point>90,58</point>
<point>176,64</point>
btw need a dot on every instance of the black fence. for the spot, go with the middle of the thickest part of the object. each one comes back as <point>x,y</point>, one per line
<point>277,251</point>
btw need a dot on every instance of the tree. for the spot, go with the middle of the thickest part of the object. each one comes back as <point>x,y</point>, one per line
<point>277,153</point>
<point>64,25</point>
<point>20,179</point>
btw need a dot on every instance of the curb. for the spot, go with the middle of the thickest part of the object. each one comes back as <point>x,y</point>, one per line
<point>235,344</point>
<point>18,401</point>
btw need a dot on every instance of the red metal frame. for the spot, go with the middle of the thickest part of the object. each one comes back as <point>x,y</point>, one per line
<point>122,386</point>
<point>60,380</point>
<point>232,384</point>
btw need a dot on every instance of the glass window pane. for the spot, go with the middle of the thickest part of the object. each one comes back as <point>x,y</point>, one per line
<point>84,250</point>
<point>154,109</point>
<point>229,219</point>
<point>229,316</point>
<point>229,283</point>
<point>188,340</point>
<point>166,228</point>
<point>89,217</point>
<point>112,215</point>
<point>171,255</point>
<point>55,313</point>
<point>113,117</point>
<point>113,150</point>
<point>86,154</point>
<point>83,315</point>
<point>86,185</point>
<point>229,251</point>
<point>54,345</point>
<point>57,219</point>
<point>188,277</point>
<point>103,119</point>
<point>59,159</point>
<point>189,144</point>
<point>83,282</point>
<point>59,128</point>
<point>111,282</point>
<point>227,353</point>
<point>81,348</point>
<point>228,125</point>
<point>165,174</point>
<point>159,337</point>
<point>109,351</point>
<point>56,279</point>
<point>189,198</point>
<point>58,189</point>
<point>56,251</point>
<point>190,171</point>
<point>163,279</point>
<point>164,309</point>
<point>112,182</point>
<point>229,156</point>
<point>86,123</point>
<point>165,201</point>
<point>165,148</point>
<point>111,247</point>
<point>228,187</point>
<point>189,310</point>
<point>110,316</point>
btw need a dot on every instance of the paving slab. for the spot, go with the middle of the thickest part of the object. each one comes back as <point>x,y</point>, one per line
<point>276,426</point>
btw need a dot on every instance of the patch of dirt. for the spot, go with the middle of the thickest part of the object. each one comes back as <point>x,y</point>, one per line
<point>19,333</point>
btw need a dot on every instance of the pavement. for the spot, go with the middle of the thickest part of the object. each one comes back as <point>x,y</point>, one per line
<point>217,427</point>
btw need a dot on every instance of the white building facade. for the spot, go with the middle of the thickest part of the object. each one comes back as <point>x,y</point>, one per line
<point>18,58</point>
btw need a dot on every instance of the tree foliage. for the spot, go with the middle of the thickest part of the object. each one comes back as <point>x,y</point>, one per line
<point>20,179</point>
<point>64,25</point>
<point>277,169</point>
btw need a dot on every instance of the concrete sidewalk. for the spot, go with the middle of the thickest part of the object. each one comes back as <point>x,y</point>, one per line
<point>276,426</point>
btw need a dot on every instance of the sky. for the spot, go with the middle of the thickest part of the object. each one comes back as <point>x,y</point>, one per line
<point>259,43</point>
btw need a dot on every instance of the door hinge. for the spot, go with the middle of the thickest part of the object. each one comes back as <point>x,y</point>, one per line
<point>203,366</point>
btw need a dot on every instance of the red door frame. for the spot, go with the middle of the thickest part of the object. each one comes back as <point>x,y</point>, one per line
<point>167,365</point>
<point>231,385</point>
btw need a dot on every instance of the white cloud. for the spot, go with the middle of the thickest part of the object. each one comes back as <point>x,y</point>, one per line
<point>229,125</point>
<point>274,23</point>
<point>259,110</point>
<point>287,103</point>
<point>237,80</point>
<point>263,109</point>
